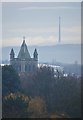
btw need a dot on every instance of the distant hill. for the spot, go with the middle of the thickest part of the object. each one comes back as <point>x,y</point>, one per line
<point>64,53</point>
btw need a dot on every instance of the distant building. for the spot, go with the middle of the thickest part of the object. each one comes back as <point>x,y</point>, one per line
<point>55,68</point>
<point>23,62</point>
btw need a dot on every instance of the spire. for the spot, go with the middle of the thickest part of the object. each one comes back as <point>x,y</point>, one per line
<point>59,29</point>
<point>24,53</point>
<point>35,51</point>
<point>35,54</point>
<point>12,54</point>
<point>23,39</point>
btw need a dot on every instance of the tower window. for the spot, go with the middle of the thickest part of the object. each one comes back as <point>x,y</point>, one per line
<point>26,68</point>
<point>33,67</point>
<point>29,68</point>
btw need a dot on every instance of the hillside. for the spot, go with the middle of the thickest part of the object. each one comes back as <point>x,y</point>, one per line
<point>64,53</point>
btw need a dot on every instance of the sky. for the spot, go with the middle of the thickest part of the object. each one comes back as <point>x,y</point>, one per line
<point>41,0</point>
<point>39,23</point>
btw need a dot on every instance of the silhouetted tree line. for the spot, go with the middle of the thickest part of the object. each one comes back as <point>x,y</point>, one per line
<point>40,95</point>
<point>10,80</point>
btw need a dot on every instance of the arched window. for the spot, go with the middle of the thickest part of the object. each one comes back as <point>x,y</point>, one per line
<point>33,67</point>
<point>29,68</point>
<point>19,67</point>
<point>26,68</point>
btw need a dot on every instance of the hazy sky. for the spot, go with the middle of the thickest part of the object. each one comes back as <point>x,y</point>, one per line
<point>41,0</point>
<point>39,23</point>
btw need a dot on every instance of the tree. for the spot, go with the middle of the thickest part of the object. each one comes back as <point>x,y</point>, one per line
<point>21,106</point>
<point>15,106</point>
<point>10,80</point>
<point>37,107</point>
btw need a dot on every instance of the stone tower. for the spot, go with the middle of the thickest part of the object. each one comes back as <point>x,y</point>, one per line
<point>24,62</point>
<point>35,55</point>
<point>12,54</point>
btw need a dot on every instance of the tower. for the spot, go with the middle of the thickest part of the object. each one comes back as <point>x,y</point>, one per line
<point>59,29</point>
<point>35,55</point>
<point>24,63</point>
<point>24,53</point>
<point>12,54</point>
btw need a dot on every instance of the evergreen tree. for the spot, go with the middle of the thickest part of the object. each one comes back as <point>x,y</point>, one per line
<point>10,80</point>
